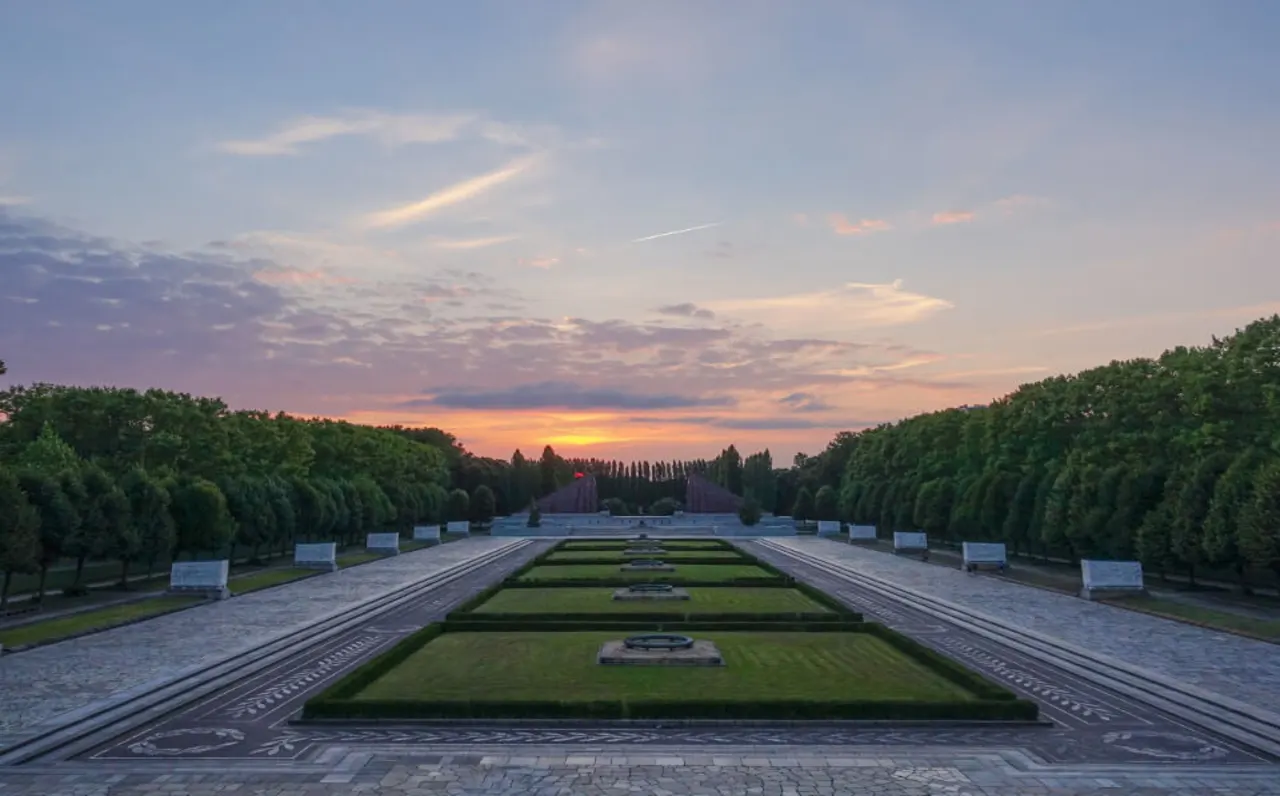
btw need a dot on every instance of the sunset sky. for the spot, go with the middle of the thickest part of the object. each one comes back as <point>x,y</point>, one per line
<point>629,229</point>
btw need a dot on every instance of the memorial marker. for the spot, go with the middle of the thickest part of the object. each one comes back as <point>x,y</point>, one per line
<point>862,533</point>
<point>426,533</point>
<point>385,543</point>
<point>1104,579</point>
<point>207,578</point>
<point>828,527</point>
<point>984,554</point>
<point>911,542</point>
<point>461,527</point>
<point>320,555</point>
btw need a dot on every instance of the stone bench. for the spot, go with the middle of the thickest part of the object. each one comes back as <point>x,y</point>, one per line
<point>387,544</point>
<point>319,555</point>
<point>1104,579</point>
<point>911,543</point>
<point>200,578</point>
<point>984,555</point>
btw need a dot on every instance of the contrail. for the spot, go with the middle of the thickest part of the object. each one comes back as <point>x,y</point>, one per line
<point>678,232</point>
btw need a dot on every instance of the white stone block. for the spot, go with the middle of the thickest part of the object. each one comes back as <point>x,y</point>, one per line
<point>459,526</point>
<point>383,543</point>
<point>426,533</point>
<point>319,555</point>
<point>978,554</point>
<point>862,533</point>
<point>828,527</point>
<point>1115,577</point>
<point>910,540</point>
<point>200,577</point>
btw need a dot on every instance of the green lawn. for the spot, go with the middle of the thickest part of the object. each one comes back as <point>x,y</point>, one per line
<point>1259,628</point>
<point>698,572</point>
<point>268,578</point>
<point>674,544</point>
<point>673,554</point>
<point>356,558</point>
<point>100,619</point>
<point>759,667</point>
<point>600,600</point>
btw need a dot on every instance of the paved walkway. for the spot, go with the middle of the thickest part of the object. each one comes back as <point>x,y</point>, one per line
<point>1222,663</point>
<point>45,682</point>
<point>800,772</point>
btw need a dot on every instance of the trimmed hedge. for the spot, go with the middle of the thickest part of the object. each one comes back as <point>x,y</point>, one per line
<point>619,560</point>
<point>665,618</point>
<point>993,703</point>
<point>673,578</point>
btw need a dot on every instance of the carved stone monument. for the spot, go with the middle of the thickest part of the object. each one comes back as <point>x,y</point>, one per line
<point>388,544</point>
<point>651,591</point>
<point>1103,579</point>
<point>320,555</point>
<point>461,527</point>
<point>426,533</point>
<point>862,533</point>
<point>984,555</point>
<point>828,527</point>
<point>659,649</point>
<point>200,578</point>
<point>911,542</point>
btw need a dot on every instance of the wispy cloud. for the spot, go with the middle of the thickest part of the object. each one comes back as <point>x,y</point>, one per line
<point>472,243</point>
<point>686,310</point>
<point>677,232</point>
<point>1012,204</point>
<point>563,395</point>
<point>862,303</point>
<point>447,197</point>
<point>297,276</point>
<point>843,226</point>
<point>13,201</point>
<point>391,129</point>
<point>539,262</point>
<point>953,217</point>
<point>804,402</point>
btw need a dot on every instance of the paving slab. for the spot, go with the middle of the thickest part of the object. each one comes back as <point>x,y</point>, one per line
<point>40,684</point>
<point>1222,663</point>
<point>808,771</point>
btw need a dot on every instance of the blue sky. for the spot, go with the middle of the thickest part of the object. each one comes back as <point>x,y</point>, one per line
<point>433,212</point>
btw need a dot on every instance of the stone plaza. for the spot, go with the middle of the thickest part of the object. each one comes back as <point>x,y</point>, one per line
<point>71,721</point>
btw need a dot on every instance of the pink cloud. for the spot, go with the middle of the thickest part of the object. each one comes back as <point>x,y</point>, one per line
<point>294,276</point>
<point>539,262</point>
<point>953,217</point>
<point>843,226</point>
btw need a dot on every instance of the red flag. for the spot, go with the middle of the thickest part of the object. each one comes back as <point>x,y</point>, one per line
<point>577,475</point>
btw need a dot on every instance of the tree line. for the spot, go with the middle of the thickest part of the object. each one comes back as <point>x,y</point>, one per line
<point>147,477</point>
<point>1173,461</point>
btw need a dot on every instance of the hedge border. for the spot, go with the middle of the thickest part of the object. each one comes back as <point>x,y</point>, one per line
<point>655,618</point>
<point>658,577</point>
<point>992,702</point>
<point>688,562</point>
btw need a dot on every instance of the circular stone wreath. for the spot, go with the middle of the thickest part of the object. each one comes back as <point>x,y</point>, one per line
<point>658,642</point>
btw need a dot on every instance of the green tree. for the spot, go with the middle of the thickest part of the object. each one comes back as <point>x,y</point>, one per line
<point>749,511</point>
<point>58,520</point>
<point>19,533</point>
<point>152,522</point>
<point>483,504</point>
<point>826,504</point>
<point>200,514</point>
<point>803,509</point>
<point>535,515</point>
<point>459,505</point>
<point>1260,521</point>
<point>1232,494</point>
<point>664,507</point>
<point>1187,531</point>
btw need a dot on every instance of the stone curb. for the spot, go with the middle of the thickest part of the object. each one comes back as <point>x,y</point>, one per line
<point>1243,723</point>
<point>120,711</point>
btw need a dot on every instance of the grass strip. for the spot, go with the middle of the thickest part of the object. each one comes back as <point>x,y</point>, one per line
<point>1264,629</point>
<point>91,621</point>
<point>600,601</point>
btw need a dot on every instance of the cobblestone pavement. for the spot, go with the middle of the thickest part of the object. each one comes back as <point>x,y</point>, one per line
<point>792,772</point>
<point>1222,663</point>
<point>42,683</point>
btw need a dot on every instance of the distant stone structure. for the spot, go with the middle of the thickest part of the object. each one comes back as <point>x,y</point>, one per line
<point>578,497</point>
<point>704,497</point>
